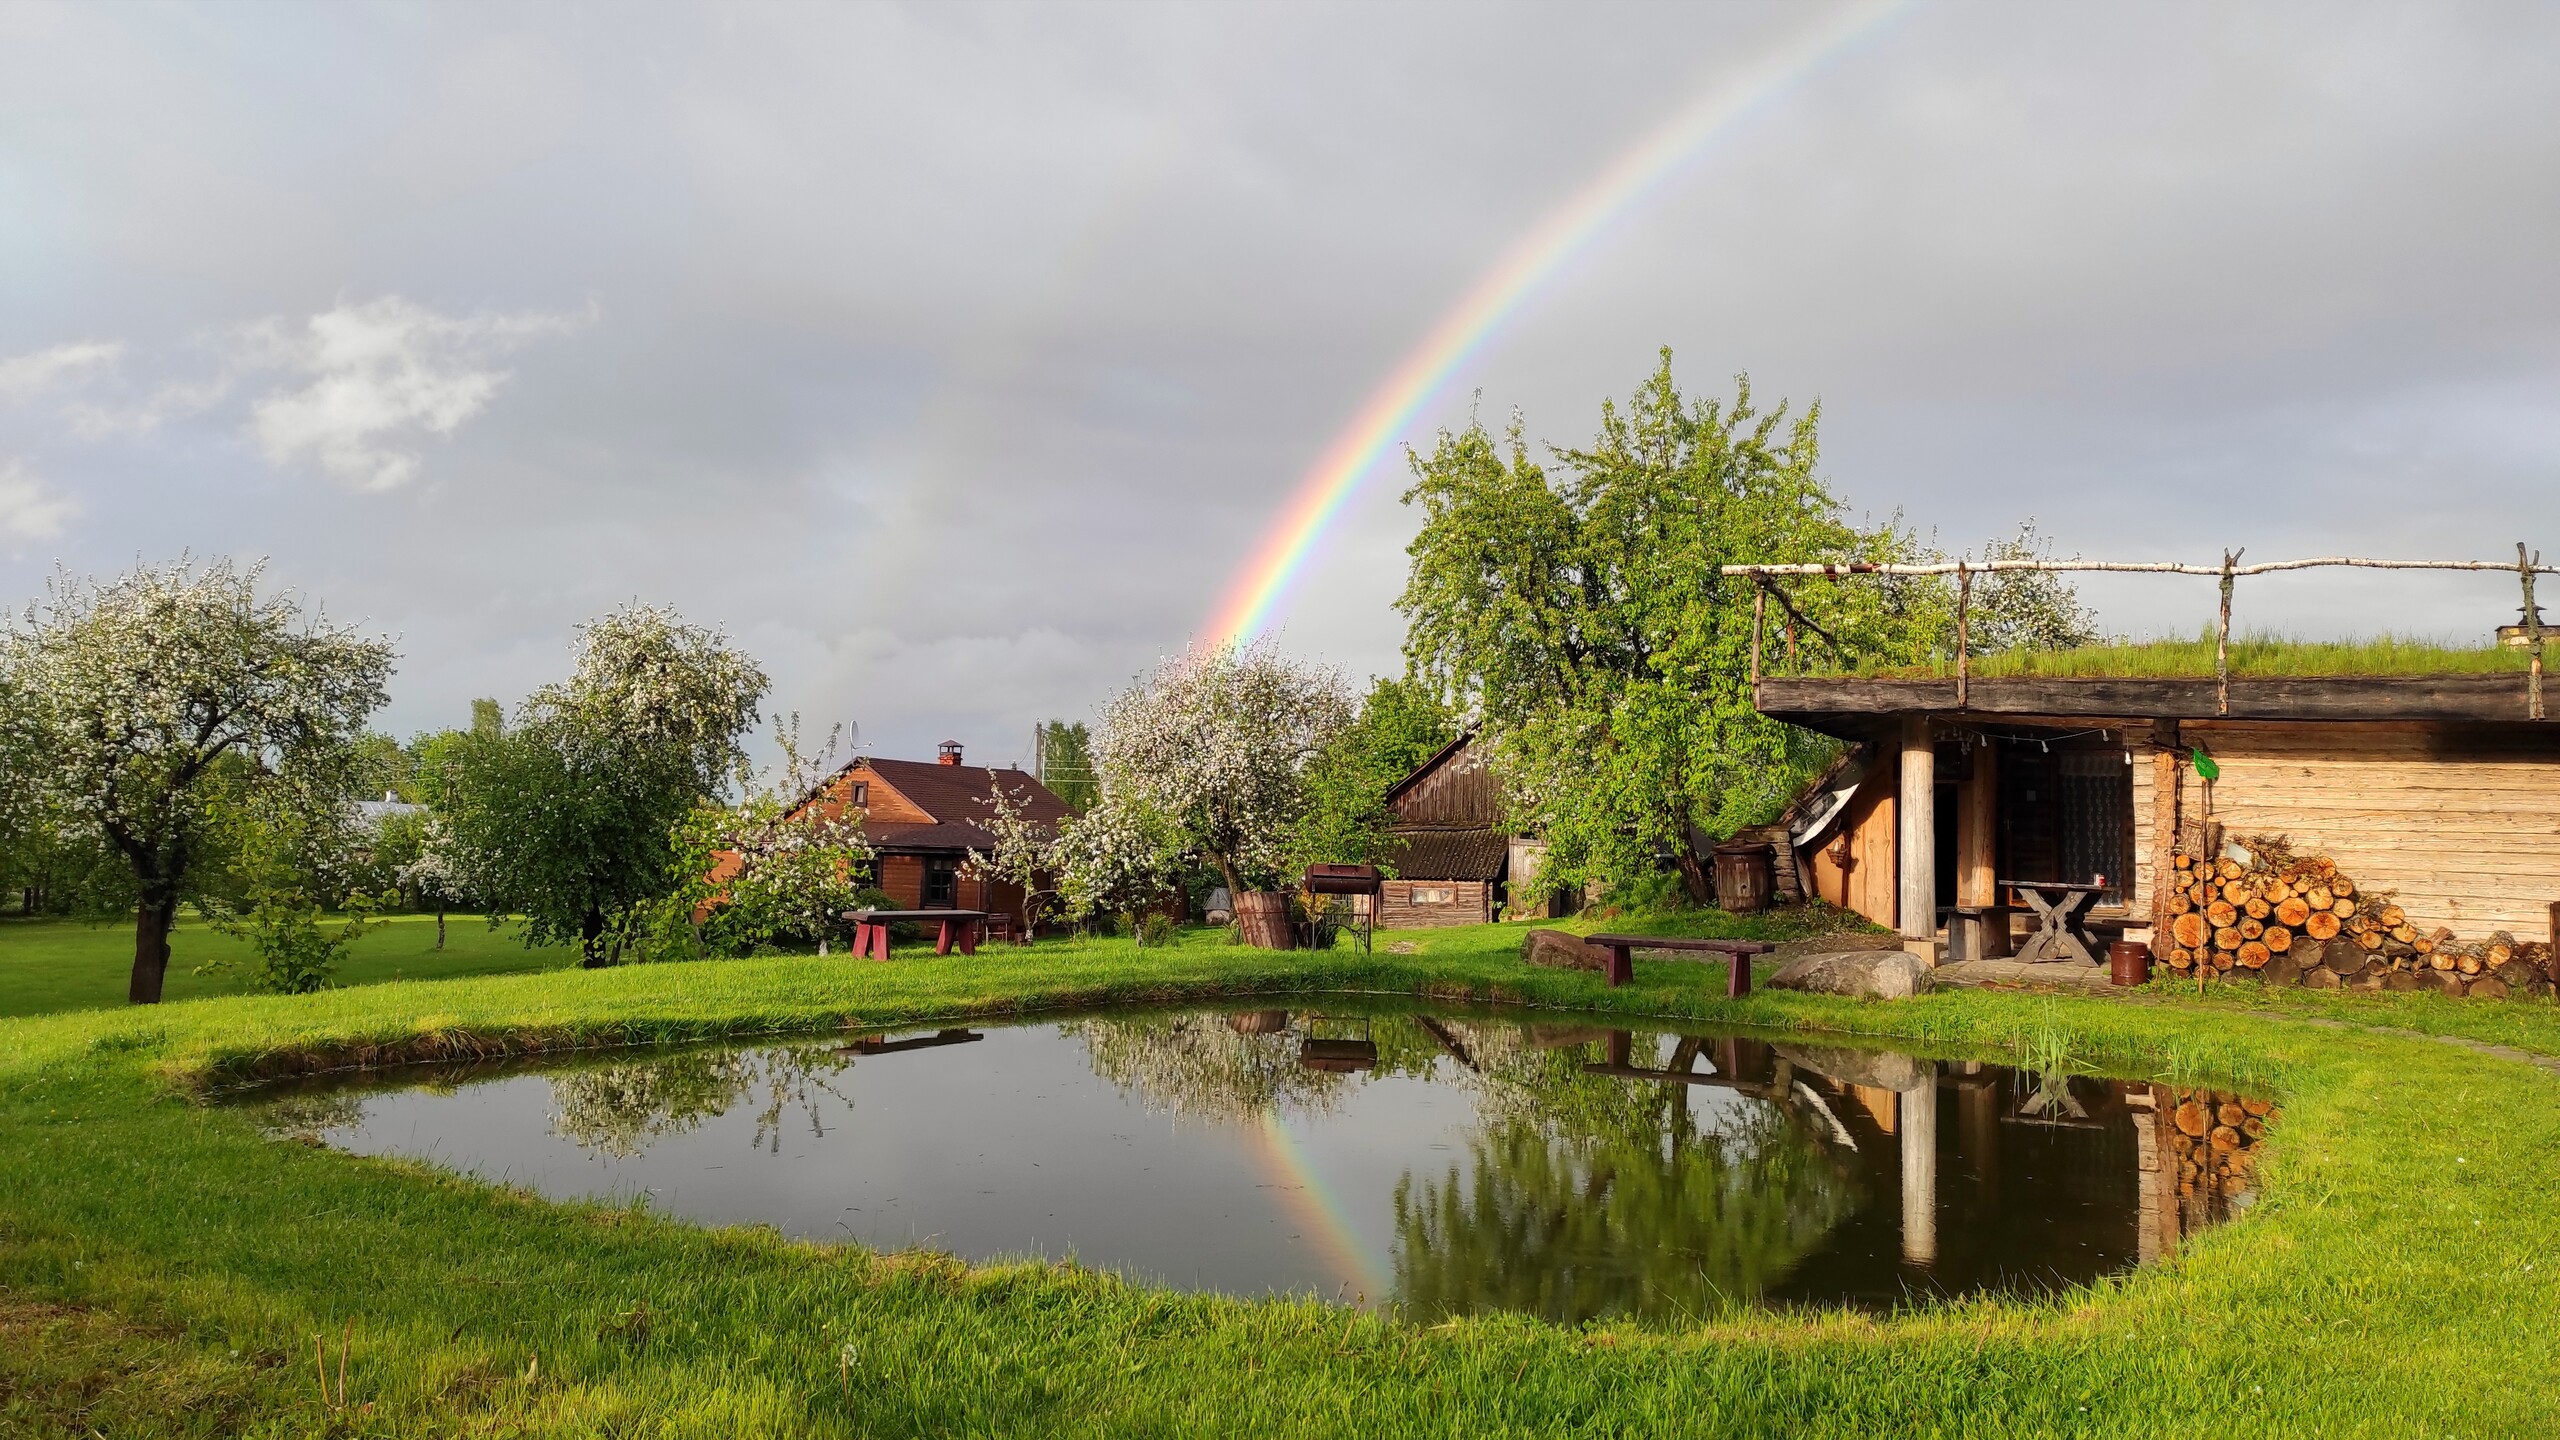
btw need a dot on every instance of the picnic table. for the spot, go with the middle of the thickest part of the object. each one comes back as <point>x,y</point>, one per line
<point>958,927</point>
<point>2062,922</point>
<point>1622,948</point>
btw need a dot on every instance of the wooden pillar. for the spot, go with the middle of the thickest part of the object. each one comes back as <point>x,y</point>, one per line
<point>1978,848</point>
<point>1919,1116</point>
<point>2165,779</point>
<point>1916,843</point>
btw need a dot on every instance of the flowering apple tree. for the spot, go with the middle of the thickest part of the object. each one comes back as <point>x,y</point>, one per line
<point>1213,749</point>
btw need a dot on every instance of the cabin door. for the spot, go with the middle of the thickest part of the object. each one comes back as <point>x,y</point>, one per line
<point>2066,813</point>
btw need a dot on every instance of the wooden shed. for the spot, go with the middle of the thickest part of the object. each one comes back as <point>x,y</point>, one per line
<point>2436,789</point>
<point>1451,854</point>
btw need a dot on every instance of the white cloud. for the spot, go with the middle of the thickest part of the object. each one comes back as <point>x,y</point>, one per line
<point>23,377</point>
<point>385,376</point>
<point>28,511</point>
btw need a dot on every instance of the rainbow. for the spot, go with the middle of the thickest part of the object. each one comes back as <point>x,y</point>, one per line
<point>1497,294</point>
<point>1317,1208</point>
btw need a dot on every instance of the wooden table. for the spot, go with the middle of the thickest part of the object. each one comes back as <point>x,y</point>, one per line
<point>2061,926</point>
<point>1622,948</point>
<point>959,927</point>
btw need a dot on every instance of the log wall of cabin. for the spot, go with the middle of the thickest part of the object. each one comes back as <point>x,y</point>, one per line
<point>2462,824</point>
<point>1470,903</point>
<point>1852,866</point>
<point>1460,791</point>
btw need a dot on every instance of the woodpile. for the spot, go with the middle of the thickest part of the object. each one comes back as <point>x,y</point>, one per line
<point>2256,910</point>
<point>2213,1138</point>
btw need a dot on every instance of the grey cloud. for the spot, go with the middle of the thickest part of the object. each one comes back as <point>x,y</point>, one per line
<point>957,355</point>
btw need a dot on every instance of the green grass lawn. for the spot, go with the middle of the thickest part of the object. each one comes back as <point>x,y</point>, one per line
<point>165,1269</point>
<point>49,965</point>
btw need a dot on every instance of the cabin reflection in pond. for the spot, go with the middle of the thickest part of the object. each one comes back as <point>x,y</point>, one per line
<point>1955,1177</point>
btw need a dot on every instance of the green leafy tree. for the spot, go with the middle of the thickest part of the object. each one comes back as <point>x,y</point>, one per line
<point>1401,724</point>
<point>384,767</point>
<point>139,689</point>
<point>284,859</point>
<point>1580,612</point>
<point>1065,752</point>
<point>566,817</point>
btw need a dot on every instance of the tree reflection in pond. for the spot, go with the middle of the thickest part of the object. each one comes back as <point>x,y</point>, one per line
<point>1231,1069</point>
<point>619,1109</point>
<point>1591,1196</point>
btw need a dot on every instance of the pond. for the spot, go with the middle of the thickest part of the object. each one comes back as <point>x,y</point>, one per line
<point>1431,1163</point>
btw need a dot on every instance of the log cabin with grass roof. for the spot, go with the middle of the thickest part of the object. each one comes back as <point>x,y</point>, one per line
<point>2383,815</point>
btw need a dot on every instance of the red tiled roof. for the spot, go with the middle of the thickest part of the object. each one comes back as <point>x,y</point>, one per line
<point>958,797</point>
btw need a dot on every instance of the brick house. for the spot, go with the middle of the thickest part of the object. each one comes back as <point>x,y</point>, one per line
<point>923,817</point>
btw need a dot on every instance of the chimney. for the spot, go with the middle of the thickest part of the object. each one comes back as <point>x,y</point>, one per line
<point>950,753</point>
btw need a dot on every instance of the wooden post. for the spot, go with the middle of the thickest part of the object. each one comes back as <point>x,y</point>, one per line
<point>1759,622</point>
<point>1964,638</point>
<point>2532,635</point>
<point>1978,847</point>
<point>1916,847</point>
<point>2165,780</point>
<point>2222,637</point>
<point>1919,1127</point>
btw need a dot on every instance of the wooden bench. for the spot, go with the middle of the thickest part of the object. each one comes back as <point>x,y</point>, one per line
<point>1978,932</point>
<point>958,927</point>
<point>1622,948</point>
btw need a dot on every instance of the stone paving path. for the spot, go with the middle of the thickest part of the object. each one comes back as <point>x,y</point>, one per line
<point>2068,975</point>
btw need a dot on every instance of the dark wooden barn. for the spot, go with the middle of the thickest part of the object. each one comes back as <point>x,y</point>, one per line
<point>1452,855</point>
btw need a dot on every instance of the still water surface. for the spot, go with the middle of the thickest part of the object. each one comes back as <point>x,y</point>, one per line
<point>1433,1163</point>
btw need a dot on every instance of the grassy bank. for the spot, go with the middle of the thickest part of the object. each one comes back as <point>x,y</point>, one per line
<point>49,965</point>
<point>166,1269</point>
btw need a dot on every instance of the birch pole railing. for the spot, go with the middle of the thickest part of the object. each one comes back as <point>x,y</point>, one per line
<point>2526,566</point>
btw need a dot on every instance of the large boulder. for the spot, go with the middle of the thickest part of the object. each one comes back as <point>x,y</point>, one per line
<point>1876,1069</point>
<point>1563,950</point>
<point>1875,974</point>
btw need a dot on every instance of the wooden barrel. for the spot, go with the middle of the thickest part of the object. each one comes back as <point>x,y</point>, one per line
<point>2128,962</point>
<point>1264,916</point>
<point>1745,875</point>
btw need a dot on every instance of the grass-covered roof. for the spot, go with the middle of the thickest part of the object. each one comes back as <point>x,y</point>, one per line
<point>2251,655</point>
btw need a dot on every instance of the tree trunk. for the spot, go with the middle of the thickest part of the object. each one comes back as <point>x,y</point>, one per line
<point>153,920</point>
<point>1693,875</point>
<point>1693,872</point>
<point>591,939</point>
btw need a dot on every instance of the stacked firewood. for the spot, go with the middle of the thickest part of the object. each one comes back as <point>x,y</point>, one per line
<point>2214,1138</point>
<point>2259,911</point>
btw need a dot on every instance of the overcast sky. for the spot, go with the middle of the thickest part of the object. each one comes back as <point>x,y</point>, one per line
<point>954,358</point>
